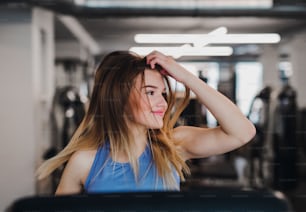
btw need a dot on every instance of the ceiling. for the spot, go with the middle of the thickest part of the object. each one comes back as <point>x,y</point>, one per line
<point>114,28</point>
<point>120,28</point>
<point>118,33</point>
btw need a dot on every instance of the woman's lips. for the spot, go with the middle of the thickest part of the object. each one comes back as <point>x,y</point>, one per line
<point>158,112</point>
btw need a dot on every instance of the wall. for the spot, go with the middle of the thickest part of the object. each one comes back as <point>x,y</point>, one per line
<point>269,60</point>
<point>17,109</point>
<point>295,47</point>
<point>20,59</point>
<point>43,83</point>
<point>297,51</point>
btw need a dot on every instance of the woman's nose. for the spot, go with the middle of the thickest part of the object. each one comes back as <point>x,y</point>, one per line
<point>162,102</point>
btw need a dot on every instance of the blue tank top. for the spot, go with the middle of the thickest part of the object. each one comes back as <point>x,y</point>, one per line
<point>108,176</point>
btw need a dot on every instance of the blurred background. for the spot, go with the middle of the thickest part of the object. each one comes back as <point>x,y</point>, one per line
<point>253,51</point>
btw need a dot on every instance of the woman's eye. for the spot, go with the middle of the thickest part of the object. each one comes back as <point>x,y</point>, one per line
<point>151,93</point>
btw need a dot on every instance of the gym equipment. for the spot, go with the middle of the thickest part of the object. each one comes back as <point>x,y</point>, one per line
<point>209,199</point>
<point>284,132</point>
<point>285,140</point>
<point>259,116</point>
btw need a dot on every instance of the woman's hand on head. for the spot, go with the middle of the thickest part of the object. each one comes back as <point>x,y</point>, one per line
<point>169,65</point>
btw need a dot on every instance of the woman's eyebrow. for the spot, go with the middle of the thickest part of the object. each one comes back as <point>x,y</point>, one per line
<point>149,86</point>
<point>152,86</point>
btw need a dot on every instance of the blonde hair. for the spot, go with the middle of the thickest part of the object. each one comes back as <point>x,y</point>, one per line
<point>104,120</point>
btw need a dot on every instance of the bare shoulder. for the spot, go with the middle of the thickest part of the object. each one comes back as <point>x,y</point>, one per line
<point>191,140</point>
<point>179,131</point>
<point>83,155</point>
<point>75,172</point>
<point>182,133</point>
<point>81,162</point>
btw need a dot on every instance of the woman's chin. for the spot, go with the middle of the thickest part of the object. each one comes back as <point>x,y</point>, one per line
<point>156,126</point>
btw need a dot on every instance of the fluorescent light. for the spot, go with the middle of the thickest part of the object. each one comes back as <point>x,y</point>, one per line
<point>177,4</point>
<point>247,38</point>
<point>185,50</point>
<point>79,2</point>
<point>218,31</point>
<point>236,3</point>
<point>208,38</point>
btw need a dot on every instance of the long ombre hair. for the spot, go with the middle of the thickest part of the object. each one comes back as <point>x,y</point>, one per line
<point>104,120</point>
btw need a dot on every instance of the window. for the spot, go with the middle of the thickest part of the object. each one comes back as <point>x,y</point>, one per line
<point>248,84</point>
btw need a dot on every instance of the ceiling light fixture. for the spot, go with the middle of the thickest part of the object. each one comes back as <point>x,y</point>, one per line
<point>218,31</point>
<point>197,39</point>
<point>183,4</point>
<point>195,44</point>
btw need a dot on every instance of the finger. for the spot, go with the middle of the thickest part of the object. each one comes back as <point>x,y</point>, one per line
<point>156,63</point>
<point>150,55</point>
<point>153,55</point>
<point>152,62</point>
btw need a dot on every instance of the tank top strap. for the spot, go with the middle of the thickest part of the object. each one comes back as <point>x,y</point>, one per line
<point>99,162</point>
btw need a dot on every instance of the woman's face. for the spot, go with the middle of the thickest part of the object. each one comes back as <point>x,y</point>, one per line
<point>147,100</point>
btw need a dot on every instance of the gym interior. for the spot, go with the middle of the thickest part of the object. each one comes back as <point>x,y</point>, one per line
<point>49,51</point>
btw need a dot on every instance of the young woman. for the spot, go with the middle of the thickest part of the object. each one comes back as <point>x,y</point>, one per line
<point>127,140</point>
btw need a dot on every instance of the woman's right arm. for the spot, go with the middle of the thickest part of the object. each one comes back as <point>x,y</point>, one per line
<point>75,173</point>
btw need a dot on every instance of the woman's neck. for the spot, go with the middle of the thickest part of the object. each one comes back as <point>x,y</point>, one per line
<point>139,137</point>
